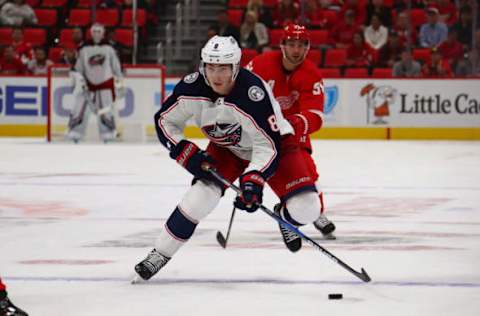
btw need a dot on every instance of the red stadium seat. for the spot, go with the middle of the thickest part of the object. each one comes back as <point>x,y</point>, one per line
<point>356,73</point>
<point>388,3</point>
<point>331,18</point>
<point>275,37</point>
<point>55,54</point>
<point>418,17</point>
<point>270,3</point>
<point>318,37</point>
<point>382,73</point>
<point>247,55</point>
<point>5,35</point>
<point>127,17</point>
<point>88,3</point>
<point>33,3</point>
<point>335,57</point>
<point>235,17</point>
<point>422,54</point>
<point>37,37</point>
<point>66,36</point>
<point>330,72</point>
<point>54,3</point>
<point>315,55</point>
<point>124,36</point>
<point>107,17</point>
<point>46,17</point>
<point>79,17</point>
<point>237,4</point>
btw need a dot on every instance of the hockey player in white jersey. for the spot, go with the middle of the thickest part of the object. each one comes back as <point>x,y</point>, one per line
<point>96,71</point>
<point>237,112</point>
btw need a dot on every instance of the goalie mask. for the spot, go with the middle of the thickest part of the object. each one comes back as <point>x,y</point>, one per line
<point>221,50</point>
<point>98,32</point>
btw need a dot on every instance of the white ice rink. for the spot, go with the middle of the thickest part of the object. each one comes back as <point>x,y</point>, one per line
<point>75,219</point>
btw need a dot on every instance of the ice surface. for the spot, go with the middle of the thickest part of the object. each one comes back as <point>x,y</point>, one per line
<point>75,219</point>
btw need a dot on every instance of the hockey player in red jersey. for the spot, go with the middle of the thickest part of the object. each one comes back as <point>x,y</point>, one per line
<point>298,86</point>
<point>6,306</point>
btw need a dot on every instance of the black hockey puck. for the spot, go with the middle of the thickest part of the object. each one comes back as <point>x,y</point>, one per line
<point>335,296</point>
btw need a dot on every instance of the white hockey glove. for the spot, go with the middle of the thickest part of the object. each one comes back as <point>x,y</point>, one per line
<point>119,86</point>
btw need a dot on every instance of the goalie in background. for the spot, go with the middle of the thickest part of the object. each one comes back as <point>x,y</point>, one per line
<point>97,79</point>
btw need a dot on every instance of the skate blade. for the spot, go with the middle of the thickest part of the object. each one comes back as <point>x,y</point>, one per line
<point>329,237</point>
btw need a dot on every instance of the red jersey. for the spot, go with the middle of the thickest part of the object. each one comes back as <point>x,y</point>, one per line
<point>299,92</point>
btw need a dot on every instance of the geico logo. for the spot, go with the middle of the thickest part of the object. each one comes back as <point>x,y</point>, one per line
<point>63,101</point>
<point>28,100</point>
<point>20,100</point>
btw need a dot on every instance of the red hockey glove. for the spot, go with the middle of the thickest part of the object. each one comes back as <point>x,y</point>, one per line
<point>299,126</point>
<point>192,158</point>
<point>251,184</point>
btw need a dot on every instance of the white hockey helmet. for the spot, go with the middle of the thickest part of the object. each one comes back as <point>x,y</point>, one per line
<point>221,50</point>
<point>98,32</point>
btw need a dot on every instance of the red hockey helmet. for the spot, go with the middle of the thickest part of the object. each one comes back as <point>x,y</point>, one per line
<point>295,31</point>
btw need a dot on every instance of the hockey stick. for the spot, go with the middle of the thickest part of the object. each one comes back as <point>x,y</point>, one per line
<point>361,275</point>
<point>220,238</point>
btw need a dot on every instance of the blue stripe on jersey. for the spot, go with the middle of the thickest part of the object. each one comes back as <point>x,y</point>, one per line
<point>180,226</point>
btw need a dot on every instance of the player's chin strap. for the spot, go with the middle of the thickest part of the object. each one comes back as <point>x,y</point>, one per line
<point>361,275</point>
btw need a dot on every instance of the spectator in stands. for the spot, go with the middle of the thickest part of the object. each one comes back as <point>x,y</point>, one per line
<point>447,11</point>
<point>253,34</point>
<point>17,13</point>
<point>468,66</point>
<point>23,49</point>
<point>40,63</point>
<point>437,67</point>
<point>376,35</point>
<point>464,26</point>
<point>451,49</point>
<point>341,36</point>
<point>69,54</point>
<point>390,53</point>
<point>406,32</point>
<point>376,7</point>
<point>286,11</point>
<point>313,15</point>
<point>432,33</point>
<point>264,14</point>
<point>77,37</point>
<point>407,67</point>
<point>359,54</point>
<point>10,64</point>
<point>358,6</point>
<point>224,28</point>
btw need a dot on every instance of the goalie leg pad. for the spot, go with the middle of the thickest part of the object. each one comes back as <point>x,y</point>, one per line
<point>303,207</point>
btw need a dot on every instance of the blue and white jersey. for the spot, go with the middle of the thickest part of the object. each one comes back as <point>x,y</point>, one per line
<point>248,121</point>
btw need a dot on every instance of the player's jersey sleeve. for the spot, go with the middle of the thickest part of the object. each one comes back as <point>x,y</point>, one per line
<point>115,63</point>
<point>172,117</point>
<point>311,99</point>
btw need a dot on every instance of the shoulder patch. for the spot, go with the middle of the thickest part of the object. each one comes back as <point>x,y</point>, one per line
<point>255,93</point>
<point>190,78</point>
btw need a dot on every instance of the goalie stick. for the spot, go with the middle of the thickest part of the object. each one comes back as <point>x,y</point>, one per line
<point>361,275</point>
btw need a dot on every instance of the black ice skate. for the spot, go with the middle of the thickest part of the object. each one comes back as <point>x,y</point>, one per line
<point>291,240</point>
<point>8,309</point>
<point>151,264</point>
<point>325,226</point>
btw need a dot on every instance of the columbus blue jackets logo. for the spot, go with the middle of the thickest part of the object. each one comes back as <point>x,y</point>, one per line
<point>224,134</point>
<point>96,60</point>
<point>256,94</point>
<point>191,77</point>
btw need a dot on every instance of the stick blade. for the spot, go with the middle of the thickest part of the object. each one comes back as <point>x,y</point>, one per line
<point>364,276</point>
<point>221,240</point>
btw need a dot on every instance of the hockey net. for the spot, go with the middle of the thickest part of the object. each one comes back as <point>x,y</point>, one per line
<point>144,91</point>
